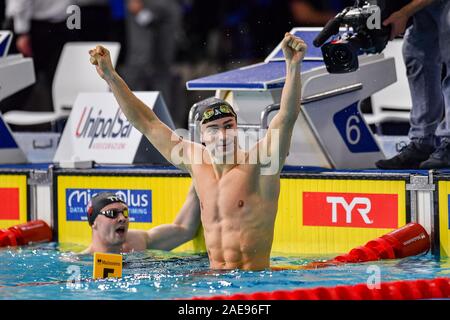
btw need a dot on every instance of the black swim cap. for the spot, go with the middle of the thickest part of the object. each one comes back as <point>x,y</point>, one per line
<point>98,202</point>
<point>212,109</point>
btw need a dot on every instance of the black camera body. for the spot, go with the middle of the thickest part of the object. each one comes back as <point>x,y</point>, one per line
<point>367,35</point>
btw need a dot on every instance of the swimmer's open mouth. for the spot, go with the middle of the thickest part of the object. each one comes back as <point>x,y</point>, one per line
<point>120,230</point>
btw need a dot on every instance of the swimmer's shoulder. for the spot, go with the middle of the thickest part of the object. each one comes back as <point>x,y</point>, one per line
<point>137,240</point>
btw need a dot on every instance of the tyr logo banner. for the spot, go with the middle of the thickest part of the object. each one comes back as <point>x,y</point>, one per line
<point>350,210</point>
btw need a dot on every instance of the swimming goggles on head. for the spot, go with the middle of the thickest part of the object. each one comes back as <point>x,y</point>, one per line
<point>217,111</point>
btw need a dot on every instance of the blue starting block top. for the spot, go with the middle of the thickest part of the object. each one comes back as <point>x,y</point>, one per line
<point>262,76</point>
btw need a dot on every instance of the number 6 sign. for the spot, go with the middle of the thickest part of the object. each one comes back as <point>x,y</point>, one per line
<point>354,130</point>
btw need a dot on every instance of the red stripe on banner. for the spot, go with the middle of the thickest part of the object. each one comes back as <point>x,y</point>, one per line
<point>10,203</point>
<point>359,210</point>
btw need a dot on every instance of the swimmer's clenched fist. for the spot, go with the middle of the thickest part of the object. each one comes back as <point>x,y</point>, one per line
<point>101,58</point>
<point>294,48</point>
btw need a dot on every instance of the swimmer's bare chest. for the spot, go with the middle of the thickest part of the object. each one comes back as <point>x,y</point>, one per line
<point>237,216</point>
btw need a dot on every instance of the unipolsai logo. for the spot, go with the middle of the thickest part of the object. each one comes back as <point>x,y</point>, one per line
<point>93,127</point>
<point>139,203</point>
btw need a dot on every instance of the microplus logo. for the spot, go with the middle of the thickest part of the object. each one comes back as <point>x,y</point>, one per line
<point>139,203</point>
<point>357,210</point>
<point>94,127</point>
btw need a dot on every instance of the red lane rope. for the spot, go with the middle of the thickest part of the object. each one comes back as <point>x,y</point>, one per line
<point>398,290</point>
<point>410,240</point>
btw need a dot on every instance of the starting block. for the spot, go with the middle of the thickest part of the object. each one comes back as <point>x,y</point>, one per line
<point>330,131</point>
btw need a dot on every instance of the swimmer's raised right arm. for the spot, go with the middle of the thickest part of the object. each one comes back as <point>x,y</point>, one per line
<point>140,115</point>
<point>184,227</point>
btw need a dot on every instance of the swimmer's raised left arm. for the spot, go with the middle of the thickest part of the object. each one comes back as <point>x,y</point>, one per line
<point>141,116</point>
<point>294,50</point>
<point>184,228</point>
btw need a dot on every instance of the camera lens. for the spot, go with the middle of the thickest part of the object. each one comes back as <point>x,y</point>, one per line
<point>341,55</point>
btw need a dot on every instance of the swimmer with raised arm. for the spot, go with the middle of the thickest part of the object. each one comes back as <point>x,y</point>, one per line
<point>238,201</point>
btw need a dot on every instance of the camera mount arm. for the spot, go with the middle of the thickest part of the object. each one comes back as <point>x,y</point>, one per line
<point>330,29</point>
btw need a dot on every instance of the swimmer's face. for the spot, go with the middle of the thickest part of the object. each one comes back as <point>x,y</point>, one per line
<point>220,136</point>
<point>112,231</point>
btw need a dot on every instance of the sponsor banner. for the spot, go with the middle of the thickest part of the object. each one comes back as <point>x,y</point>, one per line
<point>139,203</point>
<point>318,216</point>
<point>103,131</point>
<point>13,199</point>
<point>98,130</point>
<point>360,210</point>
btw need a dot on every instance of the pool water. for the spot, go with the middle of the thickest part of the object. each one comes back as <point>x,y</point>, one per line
<point>46,271</point>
